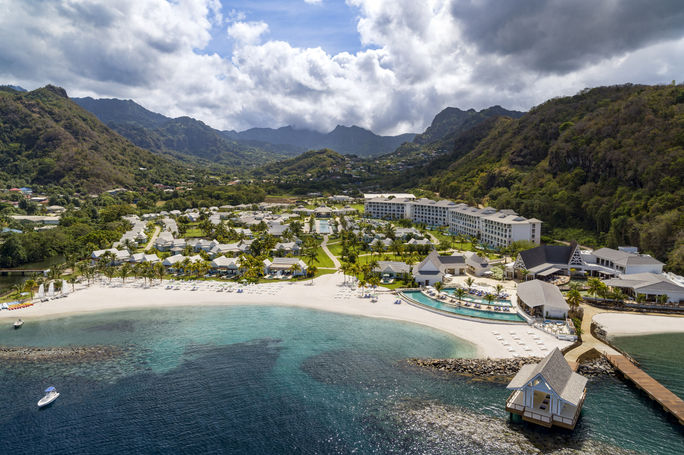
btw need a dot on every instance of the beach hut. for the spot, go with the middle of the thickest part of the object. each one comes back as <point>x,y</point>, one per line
<point>548,393</point>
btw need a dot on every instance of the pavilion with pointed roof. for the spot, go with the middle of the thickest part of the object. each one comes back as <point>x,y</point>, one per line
<point>548,393</point>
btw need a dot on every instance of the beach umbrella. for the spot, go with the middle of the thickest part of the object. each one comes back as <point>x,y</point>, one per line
<point>65,288</point>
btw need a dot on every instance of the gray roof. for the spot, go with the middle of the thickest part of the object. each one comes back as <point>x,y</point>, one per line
<point>549,254</point>
<point>395,266</point>
<point>624,258</point>
<point>558,375</point>
<point>645,282</point>
<point>537,293</point>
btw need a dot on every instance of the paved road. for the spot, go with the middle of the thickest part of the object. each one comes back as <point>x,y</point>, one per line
<point>157,230</point>
<point>332,257</point>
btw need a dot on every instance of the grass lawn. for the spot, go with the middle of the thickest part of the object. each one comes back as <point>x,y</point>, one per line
<point>193,232</point>
<point>335,249</point>
<point>322,259</point>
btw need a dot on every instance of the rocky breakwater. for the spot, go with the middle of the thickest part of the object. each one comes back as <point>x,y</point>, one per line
<point>70,354</point>
<point>477,368</point>
<point>501,369</point>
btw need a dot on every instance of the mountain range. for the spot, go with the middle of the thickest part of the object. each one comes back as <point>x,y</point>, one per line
<point>46,139</point>
<point>185,136</point>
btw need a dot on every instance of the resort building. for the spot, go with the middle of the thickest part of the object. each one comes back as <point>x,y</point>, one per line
<point>429,212</point>
<point>492,227</point>
<point>386,208</point>
<point>542,300</point>
<point>368,196</point>
<point>392,269</point>
<point>545,261</point>
<point>476,264</point>
<point>228,266</point>
<point>548,393</point>
<point>433,268</point>
<point>284,266</point>
<point>626,261</point>
<point>651,285</point>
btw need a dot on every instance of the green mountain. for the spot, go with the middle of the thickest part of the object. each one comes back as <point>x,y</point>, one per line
<point>182,137</point>
<point>453,121</point>
<point>312,164</point>
<point>347,140</point>
<point>45,138</point>
<point>604,166</point>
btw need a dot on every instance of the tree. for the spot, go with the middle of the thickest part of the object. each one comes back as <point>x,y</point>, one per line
<point>489,297</point>
<point>294,268</point>
<point>310,255</point>
<point>125,271</point>
<point>574,298</point>
<point>160,271</point>
<point>110,272</point>
<point>596,286</point>
<point>469,282</point>
<point>498,288</point>
<point>12,252</point>
<point>72,281</point>
<point>29,285</point>
<point>459,293</point>
<point>439,286</point>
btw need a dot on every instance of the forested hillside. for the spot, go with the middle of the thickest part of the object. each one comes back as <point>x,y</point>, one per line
<point>607,162</point>
<point>182,137</point>
<point>45,138</point>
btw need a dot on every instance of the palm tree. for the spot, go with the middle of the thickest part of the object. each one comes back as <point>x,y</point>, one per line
<point>469,282</point>
<point>489,297</point>
<point>71,279</point>
<point>29,285</point>
<point>641,298</point>
<point>439,286</point>
<point>596,286</point>
<point>160,271</point>
<point>310,256</point>
<point>662,299</point>
<point>125,271</point>
<point>498,288</point>
<point>459,293</point>
<point>109,271</point>
<point>294,268</point>
<point>18,289</point>
<point>312,272</point>
<point>574,298</point>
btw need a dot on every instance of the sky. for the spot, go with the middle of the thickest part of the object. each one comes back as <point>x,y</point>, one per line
<point>385,65</point>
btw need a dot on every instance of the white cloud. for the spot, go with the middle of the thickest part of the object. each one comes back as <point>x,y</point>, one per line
<point>313,2</point>
<point>419,60</point>
<point>247,32</point>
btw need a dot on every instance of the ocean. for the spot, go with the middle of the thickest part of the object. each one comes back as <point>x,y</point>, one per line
<point>280,380</point>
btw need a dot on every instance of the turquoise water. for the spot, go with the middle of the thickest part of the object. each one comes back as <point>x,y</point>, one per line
<point>660,356</point>
<point>443,306</point>
<point>323,227</point>
<point>274,380</point>
<point>472,298</point>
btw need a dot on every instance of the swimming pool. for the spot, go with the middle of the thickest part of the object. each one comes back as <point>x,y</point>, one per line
<point>422,299</point>
<point>476,299</point>
<point>323,227</point>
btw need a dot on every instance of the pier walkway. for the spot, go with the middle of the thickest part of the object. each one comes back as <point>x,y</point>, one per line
<point>655,390</point>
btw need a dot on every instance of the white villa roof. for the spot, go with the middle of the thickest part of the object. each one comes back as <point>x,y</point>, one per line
<point>624,258</point>
<point>650,282</point>
<point>537,293</point>
<point>557,374</point>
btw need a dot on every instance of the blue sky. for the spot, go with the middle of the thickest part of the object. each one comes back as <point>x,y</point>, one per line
<point>330,24</point>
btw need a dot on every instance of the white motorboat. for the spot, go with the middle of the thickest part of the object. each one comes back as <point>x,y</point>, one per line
<point>18,323</point>
<point>51,395</point>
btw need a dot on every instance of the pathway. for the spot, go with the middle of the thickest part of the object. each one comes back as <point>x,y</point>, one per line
<point>157,230</point>
<point>588,340</point>
<point>332,257</point>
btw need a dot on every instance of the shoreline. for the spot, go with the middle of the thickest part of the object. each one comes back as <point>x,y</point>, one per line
<point>634,324</point>
<point>326,294</point>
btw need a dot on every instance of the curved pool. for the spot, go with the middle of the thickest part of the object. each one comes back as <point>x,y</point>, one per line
<point>422,299</point>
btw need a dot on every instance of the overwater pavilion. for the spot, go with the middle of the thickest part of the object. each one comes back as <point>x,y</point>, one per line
<point>548,393</point>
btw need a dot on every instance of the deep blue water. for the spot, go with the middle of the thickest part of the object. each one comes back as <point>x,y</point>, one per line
<point>267,380</point>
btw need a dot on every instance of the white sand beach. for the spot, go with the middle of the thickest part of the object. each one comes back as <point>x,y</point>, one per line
<point>328,293</point>
<point>624,324</point>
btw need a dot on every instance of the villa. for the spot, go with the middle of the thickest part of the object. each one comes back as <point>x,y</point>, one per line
<point>542,300</point>
<point>284,266</point>
<point>392,269</point>
<point>229,266</point>
<point>626,260</point>
<point>651,285</point>
<point>433,268</point>
<point>548,393</point>
<point>477,265</point>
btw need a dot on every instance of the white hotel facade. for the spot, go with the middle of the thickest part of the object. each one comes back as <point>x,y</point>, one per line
<point>497,228</point>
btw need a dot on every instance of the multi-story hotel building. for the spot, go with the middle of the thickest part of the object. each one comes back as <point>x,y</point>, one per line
<point>493,227</point>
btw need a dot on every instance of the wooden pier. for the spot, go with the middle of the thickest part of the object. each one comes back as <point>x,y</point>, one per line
<point>655,390</point>
<point>6,272</point>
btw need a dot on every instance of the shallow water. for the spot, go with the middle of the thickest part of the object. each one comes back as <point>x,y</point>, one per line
<point>276,380</point>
